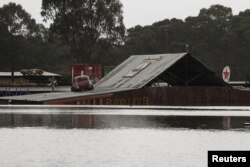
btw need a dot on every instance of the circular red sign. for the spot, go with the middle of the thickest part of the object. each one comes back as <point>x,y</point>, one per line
<point>226,73</point>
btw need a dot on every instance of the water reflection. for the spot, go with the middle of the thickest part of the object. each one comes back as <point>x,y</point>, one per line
<point>69,121</point>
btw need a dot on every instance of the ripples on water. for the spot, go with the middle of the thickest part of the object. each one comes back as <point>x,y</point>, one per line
<point>41,138</point>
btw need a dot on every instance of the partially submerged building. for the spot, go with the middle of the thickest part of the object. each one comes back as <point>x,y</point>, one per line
<point>27,80</point>
<point>162,79</point>
<point>153,70</point>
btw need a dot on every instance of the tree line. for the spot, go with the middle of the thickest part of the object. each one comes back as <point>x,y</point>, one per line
<point>92,31</point>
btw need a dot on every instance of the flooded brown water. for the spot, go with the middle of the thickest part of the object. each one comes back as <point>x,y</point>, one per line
<point>43,136</point>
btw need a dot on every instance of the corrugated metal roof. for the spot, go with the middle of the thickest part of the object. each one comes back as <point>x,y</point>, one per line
<point>19,74</point>
<point>137,71</point>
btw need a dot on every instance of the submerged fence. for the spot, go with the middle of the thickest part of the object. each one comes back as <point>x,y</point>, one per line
<point>14,92</point>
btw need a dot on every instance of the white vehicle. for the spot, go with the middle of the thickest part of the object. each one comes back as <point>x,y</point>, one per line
<point>81,83</point>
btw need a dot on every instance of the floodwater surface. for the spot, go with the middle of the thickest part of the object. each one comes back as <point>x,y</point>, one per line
<point>70,137</point>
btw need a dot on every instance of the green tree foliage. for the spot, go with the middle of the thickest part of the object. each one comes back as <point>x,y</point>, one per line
<point>27,44</point>
<point>87,25</point>
<point>16,25</point>
<point>215,36</point>
<point>18,21</point>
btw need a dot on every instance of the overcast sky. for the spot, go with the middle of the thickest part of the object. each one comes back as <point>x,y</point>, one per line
<point>146,12</point>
